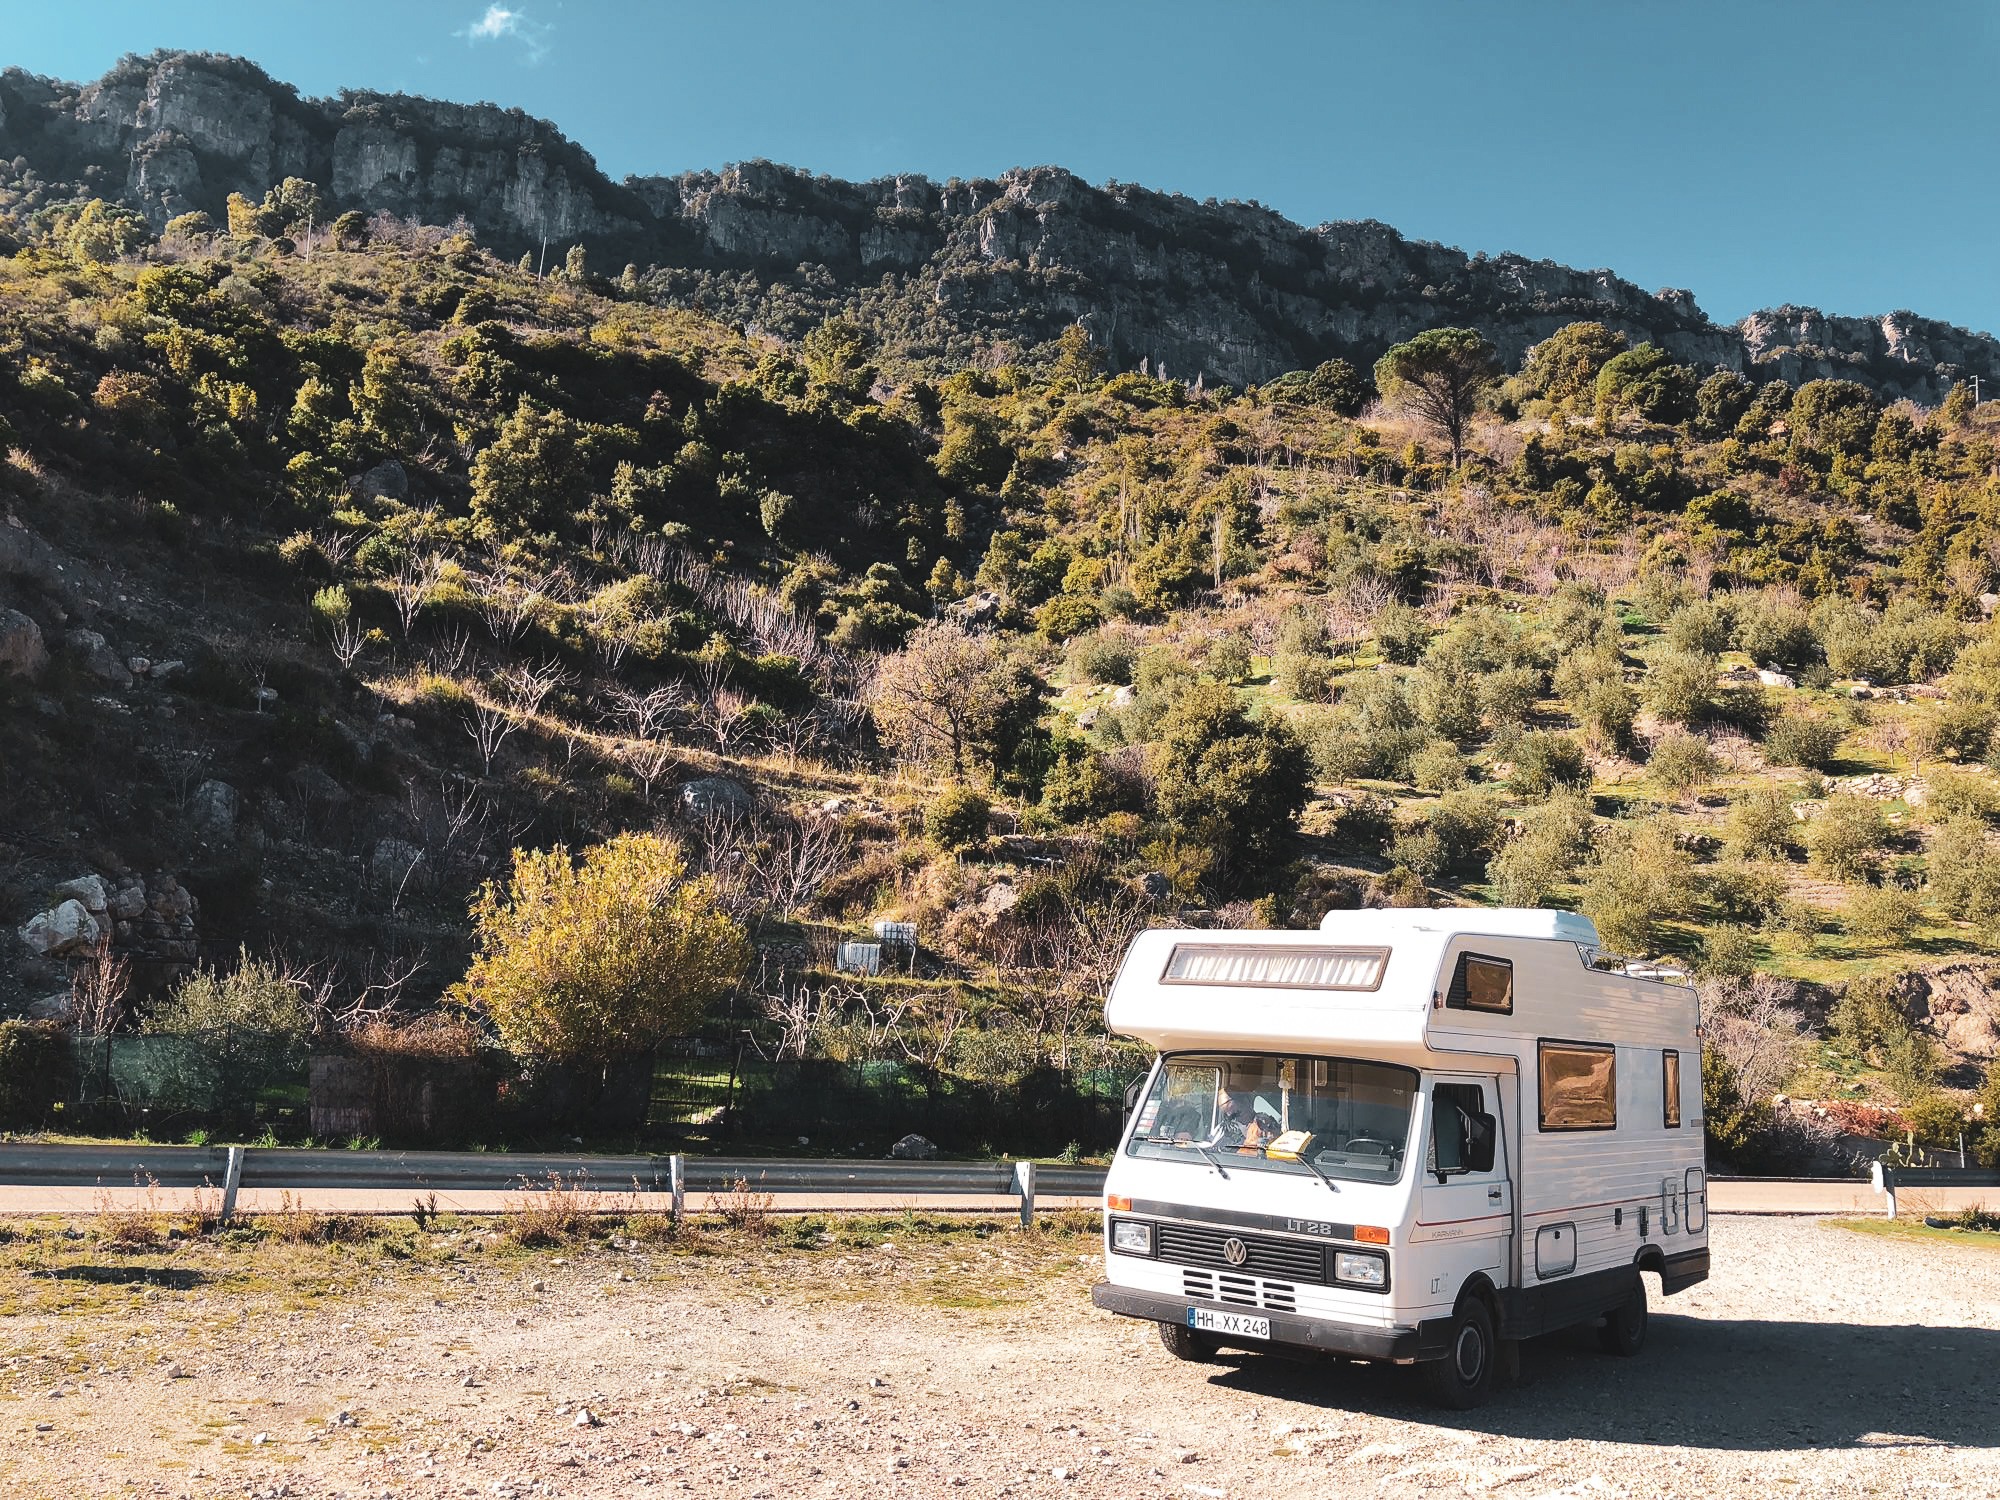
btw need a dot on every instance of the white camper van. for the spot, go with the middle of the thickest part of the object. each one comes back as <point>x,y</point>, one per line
<point>1409,1136</point>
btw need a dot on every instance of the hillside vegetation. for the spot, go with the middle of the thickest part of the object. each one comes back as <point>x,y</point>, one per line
<point>342,559</point>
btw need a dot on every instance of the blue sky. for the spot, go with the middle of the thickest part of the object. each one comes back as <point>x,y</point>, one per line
<point>1830,153</point>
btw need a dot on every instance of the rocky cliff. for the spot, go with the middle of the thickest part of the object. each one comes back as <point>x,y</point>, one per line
<point>944,272</point>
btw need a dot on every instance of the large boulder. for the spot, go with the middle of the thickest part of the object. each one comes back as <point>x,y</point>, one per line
<point>715,796</point>
<point>213,808</point>
<point>98,658</point>
<point>913,1148</point>
<point>22,651</point>
<point>62,930</point>
<point>388,480</point>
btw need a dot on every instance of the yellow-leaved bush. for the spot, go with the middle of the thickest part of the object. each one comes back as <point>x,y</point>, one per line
<point>595,958</point>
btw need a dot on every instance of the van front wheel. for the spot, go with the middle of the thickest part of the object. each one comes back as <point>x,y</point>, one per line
<point>1624,1330</point>
<point>1463,1379</point>
<point>1182,1342</point>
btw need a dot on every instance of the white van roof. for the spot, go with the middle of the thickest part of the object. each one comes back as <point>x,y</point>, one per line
<point>1462,921</point>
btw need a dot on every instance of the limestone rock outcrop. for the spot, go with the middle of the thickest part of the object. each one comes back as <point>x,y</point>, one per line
<point>1227,291</point>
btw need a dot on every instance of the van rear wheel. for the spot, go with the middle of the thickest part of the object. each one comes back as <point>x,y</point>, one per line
<point>1624,1329</point>
<point>1463,1379</point>
<point>1182,1342</point>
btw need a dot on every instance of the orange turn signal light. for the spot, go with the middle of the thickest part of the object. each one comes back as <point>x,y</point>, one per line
<point>1119,1202</point>
<point>1368,1234</point>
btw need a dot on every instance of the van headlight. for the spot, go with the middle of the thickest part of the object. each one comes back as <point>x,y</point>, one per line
<point>1130,1237</point>
<point>1359,1268</point>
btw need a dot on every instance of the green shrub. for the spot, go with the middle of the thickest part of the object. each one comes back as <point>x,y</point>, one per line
<point>1306,675</point>
<point>1438,767</point>
<point>1451,837</point>
<point>1402,634</point>
<point>256,995</point>
<point>958,817</point>
<point>1229,657</point>
<point>37,1072</point>
<point>1680,762</point>
<point>1639,879</point>
<point>594,959</point>
<point>1797,740</point>
<point>1761,824</point>
<point>1774,632</point>
<point>1679,687</point>
<point>1883,915</point>
<point>1507,695</point>
<point>1847,835</point>
<point>1731,1122</point>
<point>1728,952</point>
<point>1543,854</point>
<point>1103,657</point>
<point>1964,870</point>
<point>1951,793</point>
<point>1544,761</point>
<point>1067,616</point>
<point>1747,892</point>
<point>332,605</point>
<point>1702,628</point>
<point>1963,731</point>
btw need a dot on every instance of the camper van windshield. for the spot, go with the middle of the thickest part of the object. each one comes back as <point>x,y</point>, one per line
<point>1348,1118</point>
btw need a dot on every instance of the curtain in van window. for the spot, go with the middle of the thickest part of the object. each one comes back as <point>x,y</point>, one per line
<point>1579,1086</point>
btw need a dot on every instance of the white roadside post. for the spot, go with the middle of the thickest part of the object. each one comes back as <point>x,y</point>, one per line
<point>232,1178</point>
<point>1024,1184</point>
<point>1884,1181</point>
<point>677,1183</point>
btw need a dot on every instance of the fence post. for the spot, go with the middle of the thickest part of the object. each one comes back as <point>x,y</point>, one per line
<point>729,1095</point>
<point>1024,1184</point>
<point>677,1183</point>
<point>232,1178</point>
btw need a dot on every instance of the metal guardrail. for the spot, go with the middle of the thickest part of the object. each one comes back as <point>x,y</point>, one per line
<point>231,1168</point>
<point>1888,1180</point>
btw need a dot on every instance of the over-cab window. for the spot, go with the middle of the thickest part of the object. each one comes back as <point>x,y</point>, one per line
<point>1241,965</point>
<point>1670,1087</point>
<point>1481,983</point>
<point>1579,1086</point>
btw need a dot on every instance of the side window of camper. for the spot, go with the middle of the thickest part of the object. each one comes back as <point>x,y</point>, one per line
<point>1670,1087</point>
<point>1482,983</point>
<point>1579,1086</point>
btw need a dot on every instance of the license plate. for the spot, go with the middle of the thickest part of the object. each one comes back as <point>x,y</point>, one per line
<point>1235,1325</point>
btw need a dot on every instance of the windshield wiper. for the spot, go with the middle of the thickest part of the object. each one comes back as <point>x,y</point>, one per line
<point>1214,1160</point>
<point>1307,1161</point>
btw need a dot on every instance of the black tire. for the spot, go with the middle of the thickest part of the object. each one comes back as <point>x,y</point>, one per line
<point>1463,1379</point>
<point>1182,1342</point>
<point>1623,1331</point>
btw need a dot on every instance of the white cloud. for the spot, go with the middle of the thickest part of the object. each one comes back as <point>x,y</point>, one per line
<point>502,23</point>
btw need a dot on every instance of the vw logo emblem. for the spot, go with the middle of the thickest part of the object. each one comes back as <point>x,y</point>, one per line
<point>1235,1251</point>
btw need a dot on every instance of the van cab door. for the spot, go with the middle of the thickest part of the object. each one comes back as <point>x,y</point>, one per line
<point>1466,1198</point>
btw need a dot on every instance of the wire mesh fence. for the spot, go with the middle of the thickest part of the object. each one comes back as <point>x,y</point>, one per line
<point>700,1091</point>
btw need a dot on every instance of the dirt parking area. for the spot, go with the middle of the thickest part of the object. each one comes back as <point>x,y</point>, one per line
<point>891,1357</point>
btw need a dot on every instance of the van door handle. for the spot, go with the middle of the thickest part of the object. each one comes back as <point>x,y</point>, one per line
<point>1493,1194</point>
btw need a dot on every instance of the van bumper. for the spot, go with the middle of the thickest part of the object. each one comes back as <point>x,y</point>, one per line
<point>1430,1339</point>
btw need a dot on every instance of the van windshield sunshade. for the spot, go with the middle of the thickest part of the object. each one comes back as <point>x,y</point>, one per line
<point>1278,968</point>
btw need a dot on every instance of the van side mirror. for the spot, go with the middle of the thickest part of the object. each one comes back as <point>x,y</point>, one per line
<point>1132,1095</point>
<point>1480,1133</point>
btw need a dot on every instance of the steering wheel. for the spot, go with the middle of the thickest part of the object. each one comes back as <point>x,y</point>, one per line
<point>1382,1147</point>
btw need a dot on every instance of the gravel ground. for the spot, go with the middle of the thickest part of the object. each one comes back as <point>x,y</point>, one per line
<point>1816,1362</point>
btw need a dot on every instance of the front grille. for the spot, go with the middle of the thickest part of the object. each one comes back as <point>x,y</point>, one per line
<point>1279,1297</point>
<point>1242,1290</point>
<point>1204,1286</point>
<point>1199,1285</point>
<point>1195,1245</point>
